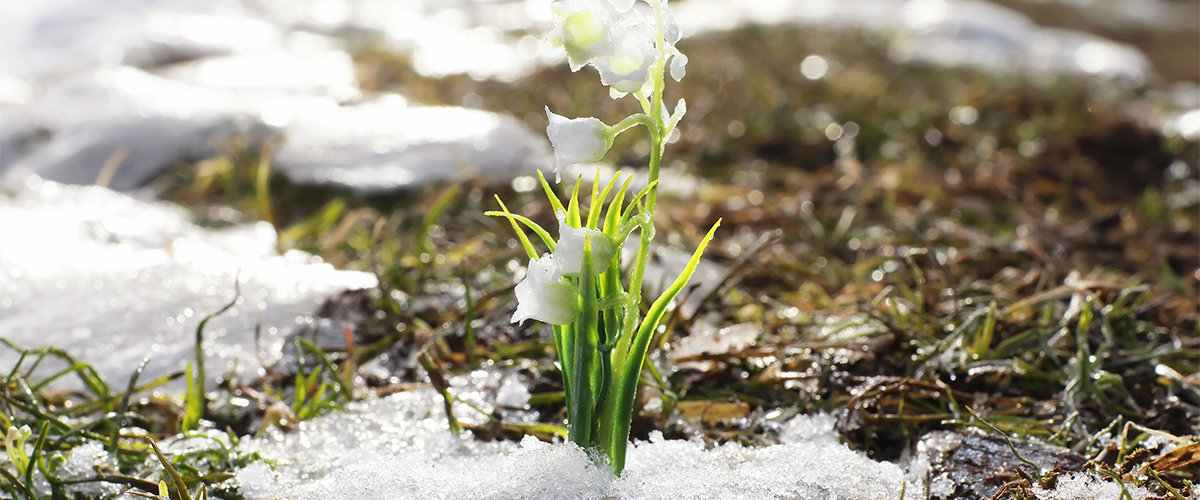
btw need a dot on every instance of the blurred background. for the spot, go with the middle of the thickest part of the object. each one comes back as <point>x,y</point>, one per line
<point>893,175</point>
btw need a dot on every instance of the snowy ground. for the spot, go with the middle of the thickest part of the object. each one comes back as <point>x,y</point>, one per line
<point>140,87</point>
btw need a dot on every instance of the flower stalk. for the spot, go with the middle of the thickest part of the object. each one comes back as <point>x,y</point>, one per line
<point>579,287</point>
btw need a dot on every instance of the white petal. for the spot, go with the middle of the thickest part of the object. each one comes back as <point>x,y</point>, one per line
<point>553,303</point>
<point>581,27</point>
<point>679,66</point>
<point>622,5</point>
<point>569,251</point>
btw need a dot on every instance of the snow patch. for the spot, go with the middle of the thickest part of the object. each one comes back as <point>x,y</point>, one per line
<point>113,279</point>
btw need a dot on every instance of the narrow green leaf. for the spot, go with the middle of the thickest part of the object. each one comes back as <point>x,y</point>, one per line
<point>986,333</point>
<point>554,201</point>
<point>560,347</point>
<point>193,404</point>
<point>583,354</point>
<point>598,200</point>
<point>529,250</point>
<point>533,226</point>
<point>176,480</point>
<point>630,373</point>
<point>635,201</point>
<point>36,456</point>
<point>612,219</point>
<point>573,219</point>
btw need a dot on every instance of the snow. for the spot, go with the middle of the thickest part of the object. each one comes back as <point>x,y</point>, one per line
<point>1076,486</point>
<point>141,87</point>
<point>388,144</point>
<point>953,33</point>
<point>143,124</point>
<point>399,447</point>
<point>113,279</point>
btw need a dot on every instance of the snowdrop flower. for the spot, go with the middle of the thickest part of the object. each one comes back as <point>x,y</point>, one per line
<point>582,27</point>
<point>627,67</point>
<point>544,296</point>
<point>576,140</point>
<point>615,38</point>
<point>569,251</point>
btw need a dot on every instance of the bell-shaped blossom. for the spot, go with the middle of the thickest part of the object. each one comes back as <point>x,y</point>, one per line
<point>620,41</point>
<point>544,296</point>
<point>582,27</point>
<point>577,140</point>
<point>568,254</point>
<point>627,68</point>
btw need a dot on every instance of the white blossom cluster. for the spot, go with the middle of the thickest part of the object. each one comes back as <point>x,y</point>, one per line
<point>626,41</point>
<point>619,39</point>
<point>631,43</point>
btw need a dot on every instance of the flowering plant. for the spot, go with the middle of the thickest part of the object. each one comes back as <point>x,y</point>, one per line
<point>599,333</point>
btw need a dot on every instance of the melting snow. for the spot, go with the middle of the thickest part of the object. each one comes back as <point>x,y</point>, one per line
<point>113,279</point>
<point>399,447</point>
<point>388,144</point>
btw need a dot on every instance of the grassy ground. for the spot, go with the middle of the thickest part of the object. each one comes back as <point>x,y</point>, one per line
<point>918,248</point>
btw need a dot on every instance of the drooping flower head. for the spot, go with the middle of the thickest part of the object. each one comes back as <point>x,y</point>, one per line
<point>544,296</point>
<point>576,140</point>
<point>569,250</point>
<point>620,40</point>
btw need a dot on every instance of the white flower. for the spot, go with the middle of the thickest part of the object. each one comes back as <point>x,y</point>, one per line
<point>617,39</point>
<point>582,27</point>
<point>627,68</point>
<point>568,253</point>
<point>544,296</point>
<point>577,140</point>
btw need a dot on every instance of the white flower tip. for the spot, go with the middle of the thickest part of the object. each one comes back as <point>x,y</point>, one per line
<point>679,66</point>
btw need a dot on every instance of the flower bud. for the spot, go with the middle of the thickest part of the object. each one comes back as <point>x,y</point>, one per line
<point>576,140</point>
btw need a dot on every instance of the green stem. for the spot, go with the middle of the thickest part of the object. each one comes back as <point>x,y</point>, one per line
<point>630,122</point>
<point>617,408</point>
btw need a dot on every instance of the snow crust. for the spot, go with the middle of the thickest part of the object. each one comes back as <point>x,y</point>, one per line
<point>399,447</point>
<point>113,279</point>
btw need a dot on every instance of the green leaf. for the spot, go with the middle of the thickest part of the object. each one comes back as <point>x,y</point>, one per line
<point>598,200</point>
<point>612,219</point>
<point>535,227</point>
<point>176,480</point>
<point>554,201</point>
<point>193,402</point>
<point>635,201</point>
<point>573,219</point>
<point>630,372</point>
<point>581,402</point>
<point>529,250</point>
